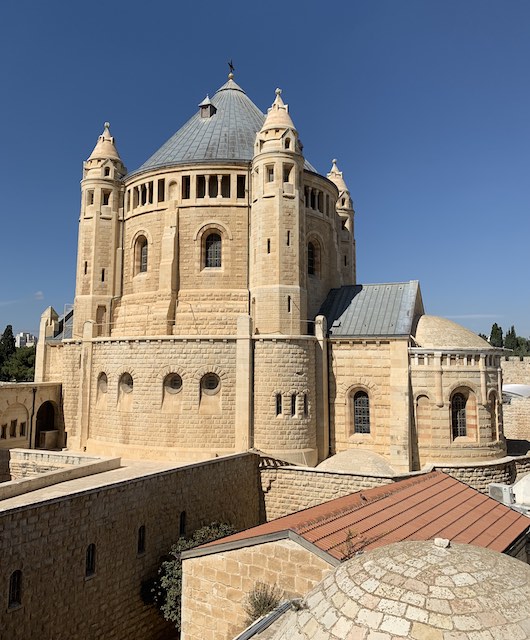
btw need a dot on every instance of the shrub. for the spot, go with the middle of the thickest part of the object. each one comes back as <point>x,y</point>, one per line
<point>262,600</point>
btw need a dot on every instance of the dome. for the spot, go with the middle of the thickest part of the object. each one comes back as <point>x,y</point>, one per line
<point>227,134</point>
<point>416,590</point>
<point>359,461</point>
<point>434,332</point>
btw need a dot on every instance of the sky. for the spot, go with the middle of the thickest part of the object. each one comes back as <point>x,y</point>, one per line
<point>425,104</point>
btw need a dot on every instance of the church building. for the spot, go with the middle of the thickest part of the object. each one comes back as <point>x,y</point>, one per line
<point>217,310</point>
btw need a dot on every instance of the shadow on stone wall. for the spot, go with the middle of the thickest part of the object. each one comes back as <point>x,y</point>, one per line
<point>5,473</point>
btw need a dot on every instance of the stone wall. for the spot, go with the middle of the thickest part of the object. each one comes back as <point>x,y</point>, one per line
<point>215,586</point>
<point>47,540</point>
<point>516,413</point>
<point>515,370</point>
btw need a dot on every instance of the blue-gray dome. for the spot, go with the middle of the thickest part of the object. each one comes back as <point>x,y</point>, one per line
<point>228,134</point>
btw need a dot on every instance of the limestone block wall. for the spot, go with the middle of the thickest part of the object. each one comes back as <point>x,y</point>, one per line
<point>516,413</point>
<point>285,398</point>
<point>153,418</point>
<point>290,489</point>
<point>515,370</point>
<point>215,586</point>
<point>48,540</point>
<point>364,366</point>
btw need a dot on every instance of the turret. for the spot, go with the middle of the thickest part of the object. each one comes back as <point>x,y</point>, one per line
<point>346,231</point>
<point>277,239</point>
<point>98,259</point>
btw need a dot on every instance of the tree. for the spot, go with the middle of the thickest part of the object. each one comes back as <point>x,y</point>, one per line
<point>510,340</point>
<point>496,336</point>
<point>20,366</point>
<point>165,590</point>
<point>7,348</point>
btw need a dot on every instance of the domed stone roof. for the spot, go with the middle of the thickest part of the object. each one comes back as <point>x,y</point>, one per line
<point>227,133</point>
<point>434,332</point>
<point>358,461</point>
<point>416,590</point>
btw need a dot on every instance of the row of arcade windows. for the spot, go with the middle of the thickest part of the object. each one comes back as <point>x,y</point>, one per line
<point>14,430</point>
<point>213,186</point>
<point>315,199</point>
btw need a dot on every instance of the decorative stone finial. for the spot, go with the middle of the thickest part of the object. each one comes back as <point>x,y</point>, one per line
<point>107,125</point>
<point>278,92</point>
<point>230,76</point>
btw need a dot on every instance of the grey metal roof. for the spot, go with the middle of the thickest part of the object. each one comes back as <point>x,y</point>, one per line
<point>228,135</point>
<point>371,309</point>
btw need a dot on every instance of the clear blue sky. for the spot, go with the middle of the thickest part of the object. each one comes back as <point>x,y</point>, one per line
<point>425,103</point>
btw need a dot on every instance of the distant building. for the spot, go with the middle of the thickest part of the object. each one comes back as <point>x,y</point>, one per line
<point>25,339</point>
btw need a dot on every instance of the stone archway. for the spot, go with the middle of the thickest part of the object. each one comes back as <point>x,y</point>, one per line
<point>46,433</point>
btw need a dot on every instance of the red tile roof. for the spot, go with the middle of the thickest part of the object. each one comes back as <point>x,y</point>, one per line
<point>432,505</point>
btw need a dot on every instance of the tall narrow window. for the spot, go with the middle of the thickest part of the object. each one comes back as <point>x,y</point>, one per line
<point>182,524</point>
<point>213,250</point>
<point>15,589</point>
<point>268,245</point>
<point>241,182</point>
<point>225,186</point>
<point>161,190</point>
<point>13,429</point>
<point>288,238</point>
<point>141,256</point>
<point>288,304</point>
<point>458,415</point>
<point>90,560</point>
<point>270,173</point>
<point>306,405</point>
<point>105,197</point>
<point>311,259</point>
<point>141,540</point>
<point>186,187</point>
<point>213,186</point>
<point>107,171</point>
<point>102,275</point>
<point>293,404</point>
<point>201,186</point>
<point>278,404</point>
<point>361,412</point>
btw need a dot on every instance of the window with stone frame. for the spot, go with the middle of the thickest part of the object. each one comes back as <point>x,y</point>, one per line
<point>212,251</point>
<point>458,415</point>
<point>361,412</point>
<point>15,589</point>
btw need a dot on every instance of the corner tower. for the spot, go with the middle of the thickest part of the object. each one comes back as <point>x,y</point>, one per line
<point>277,232</point>
<point>346,215</point>
<point>98,268</point>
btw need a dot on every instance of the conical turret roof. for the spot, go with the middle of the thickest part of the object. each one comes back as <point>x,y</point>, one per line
<point>105,147</point>
<point>278,115</point>
<point>226,135</point>
<point>336,177</point>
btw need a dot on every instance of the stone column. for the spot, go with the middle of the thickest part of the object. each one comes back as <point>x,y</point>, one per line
<point>244,384</point>
<point>322,388</point>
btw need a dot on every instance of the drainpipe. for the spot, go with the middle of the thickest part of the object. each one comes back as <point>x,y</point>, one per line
<point>32,417</point>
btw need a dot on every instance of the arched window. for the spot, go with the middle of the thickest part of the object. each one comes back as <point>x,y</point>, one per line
<point>126,383</point>
<point>278,404</point>
<point>311,259</point>
<point>15,589</point>
<point>102,382</point>
<point>210,384</point>
<point>141,255</point>
<point>361,412</point>
<point>212,253</point>
<point>293,404</point>
<point>90,560</point>
<point>141,540</point>
<point>458,415</point>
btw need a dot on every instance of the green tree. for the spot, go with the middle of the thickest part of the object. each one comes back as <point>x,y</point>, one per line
<point>20,366</point>
<point>510,340</point>
<point>496,336</point>
<point>165,590</point>
<point>7,348</point>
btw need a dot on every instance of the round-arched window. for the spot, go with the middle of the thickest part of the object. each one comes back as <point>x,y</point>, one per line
<point>102,383</point>
<point>210,384</point>
<point>173,383</point>
<point>126,383</point>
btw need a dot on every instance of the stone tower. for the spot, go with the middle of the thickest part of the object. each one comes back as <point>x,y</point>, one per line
<point>98,278</point>
<point>277,235</point>
<point>346,215</point>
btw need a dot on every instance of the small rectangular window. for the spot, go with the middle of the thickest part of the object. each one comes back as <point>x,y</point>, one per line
<point>22,428</point>
<point>3,432</point>
<point>161,190</point>
<point>278,404</point>
<point>15,589</point>
<point>186,186</point>
<point>86,267</point>
<point>288,238</point>
<point>102,275</point>
<point>293,404</point>
<point>90,197</point>
<point>225,186</point>
<point>90,560</point>
<point>150,192</point>
<point>201,186</point>
<point>289,304</point>
<point>268,245</point>
<point>287,172</point>
<point>141,540</point>
<point>270,173</point>
<point>182,524</point>
<point>13,429</point>
<point>136,197</point>
<point>105,197</point>
<point>241,183</point>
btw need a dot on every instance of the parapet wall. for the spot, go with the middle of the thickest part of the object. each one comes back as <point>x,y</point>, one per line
<point>516,370</point>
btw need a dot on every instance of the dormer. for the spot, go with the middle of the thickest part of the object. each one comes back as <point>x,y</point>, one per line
<point>206,108</point>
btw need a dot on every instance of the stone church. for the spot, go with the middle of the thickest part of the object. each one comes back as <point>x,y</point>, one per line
<point>217,310</point>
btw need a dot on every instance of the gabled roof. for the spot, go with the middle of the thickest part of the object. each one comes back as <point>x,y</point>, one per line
<point>227,135</point>
<point>371,309</point>
<point>423,507</point>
